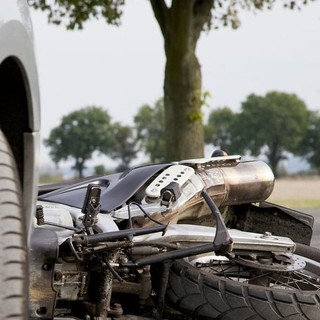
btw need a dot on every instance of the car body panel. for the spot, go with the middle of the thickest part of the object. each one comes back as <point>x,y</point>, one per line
<point>17,47</point>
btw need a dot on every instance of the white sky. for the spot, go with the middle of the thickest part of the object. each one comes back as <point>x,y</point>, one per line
<point>122,68</point>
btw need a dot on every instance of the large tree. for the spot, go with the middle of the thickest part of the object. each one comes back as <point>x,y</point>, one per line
<point>79,135</point>
<point>181,23</point>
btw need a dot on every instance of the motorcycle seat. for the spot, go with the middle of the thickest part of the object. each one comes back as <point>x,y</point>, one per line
<point>116,189</point>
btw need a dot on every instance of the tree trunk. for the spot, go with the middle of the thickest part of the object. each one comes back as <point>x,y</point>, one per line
<point>275,155</point>
<point>79,167</point>
<point>181,26</point>
<point>182,94</point>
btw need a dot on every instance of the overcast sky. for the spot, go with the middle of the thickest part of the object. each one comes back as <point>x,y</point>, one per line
<point>122,68</point>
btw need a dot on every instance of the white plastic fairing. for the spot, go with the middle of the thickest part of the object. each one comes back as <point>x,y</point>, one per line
<point>176,173</point>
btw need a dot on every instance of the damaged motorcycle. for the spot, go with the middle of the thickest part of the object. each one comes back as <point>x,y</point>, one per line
<point>193,239</point>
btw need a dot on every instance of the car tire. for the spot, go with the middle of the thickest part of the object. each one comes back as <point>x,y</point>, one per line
<point>13,251</point>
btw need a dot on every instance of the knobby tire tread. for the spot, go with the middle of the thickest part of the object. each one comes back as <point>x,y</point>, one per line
<point>208,296</point>
<point>13,251</point>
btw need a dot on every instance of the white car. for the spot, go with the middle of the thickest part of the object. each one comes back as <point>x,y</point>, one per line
<point>19,150</point>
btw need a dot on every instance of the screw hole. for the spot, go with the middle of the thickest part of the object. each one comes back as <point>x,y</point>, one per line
<point>41,311</point>
<point>47,267</point>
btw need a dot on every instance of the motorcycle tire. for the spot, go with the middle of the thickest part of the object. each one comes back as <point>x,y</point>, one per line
<point>13,253</point>
<point>207,294</point>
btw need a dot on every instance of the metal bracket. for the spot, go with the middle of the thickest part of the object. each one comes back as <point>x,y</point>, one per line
<point>222,237</point>
<point>91,206</point>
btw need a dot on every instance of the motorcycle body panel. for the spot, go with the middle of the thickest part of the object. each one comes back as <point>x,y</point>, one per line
<point>116,188</point>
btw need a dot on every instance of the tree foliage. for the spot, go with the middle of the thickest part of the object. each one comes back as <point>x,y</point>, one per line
<point>273,125</point>
<point>149,124</point>
<point>218,130</point>
<point>100,170</point>
<point>79,135</point>
<point>73,13</point>
<point>181,23</point>
<point>124,147</point>
<point>270,125</point>
<point>310,145</point>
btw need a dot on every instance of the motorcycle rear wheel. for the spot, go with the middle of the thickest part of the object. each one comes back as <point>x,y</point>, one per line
<point>209,293</point>
<point>13,254</point>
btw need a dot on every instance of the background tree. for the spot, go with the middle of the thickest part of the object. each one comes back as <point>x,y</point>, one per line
<point>181,24</point>
<point>79,135</point>
<point>272,125</point>
<point>124,147</point>
<point>310,145</point>
<point>100,170</point>
<point>219,129</point>
<point>151,136</point>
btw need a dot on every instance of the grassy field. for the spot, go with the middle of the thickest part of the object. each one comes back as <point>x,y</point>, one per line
<point>298,193</point>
